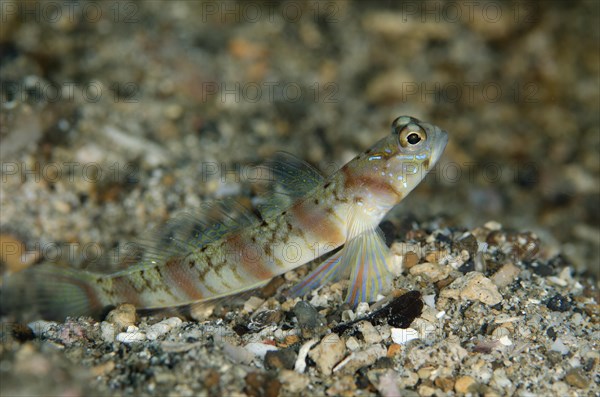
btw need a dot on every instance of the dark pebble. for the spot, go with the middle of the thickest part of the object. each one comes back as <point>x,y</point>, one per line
<point>22,333</point>
<point>551,333</point>
<point>307,315</point>
<point>241,329</point>
<point>559,303</point>
<point>265,318</point>
<point>383,362</point>
<point>398,313</point>
<point>541,269</point>
<point>284,358</point>
<point>468,266</point>
<point>389,232</point>
<point>361,379</point>
<point>442,238</point>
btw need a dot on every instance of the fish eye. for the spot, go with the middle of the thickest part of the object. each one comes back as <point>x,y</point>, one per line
<point>411,135</point>
<point>413,138</point>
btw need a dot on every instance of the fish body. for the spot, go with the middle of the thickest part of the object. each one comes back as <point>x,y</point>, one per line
<point>194,260</point>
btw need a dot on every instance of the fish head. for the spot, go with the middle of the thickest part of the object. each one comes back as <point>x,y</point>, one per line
<point>398,163</point>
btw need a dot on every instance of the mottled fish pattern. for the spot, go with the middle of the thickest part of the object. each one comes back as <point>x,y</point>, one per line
<point>227,249</point>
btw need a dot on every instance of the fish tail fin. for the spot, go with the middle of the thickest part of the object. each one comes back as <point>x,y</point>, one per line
<point>52,292</point>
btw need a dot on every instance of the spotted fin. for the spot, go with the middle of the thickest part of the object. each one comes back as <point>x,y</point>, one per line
<point>288,178</point>
<point>178,236</point>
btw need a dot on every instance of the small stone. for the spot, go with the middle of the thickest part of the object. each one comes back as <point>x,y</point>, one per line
<point>473,286</point>
<point>493,225</point>
<point>410,260</point>
<point>385,382</point>
<point>506,275</point>
<point>576,378</point>
<point>430,271</point>
<point>370,334</point>
<point>559,303</point>
<point>211,378</point>
<point>300,364</point>
<point>361,359</point>
<point>161,328</point>
<point>252,304</point>
<point>107,331</point>
<point>40,327</point>
<point>429,300</point>
<point>344,385</point>
<point>425,372</point>
<point>261,385</point>
<point>122,316</point>
<point>426,390</point>
<point>362,309</point>
<point>173,111</point>
<point>352,344</point>
<point>131,336</point>
<point>464,384</point>
<point>328,353</point>
<point>102,369</point>
<point>309,320</point>
<point>469,243</point>
<point>293,382</point>
<point>259,349</point>
<point>403,336</point>
<point>560,388</point>
<point>290,340</point>
<point>445,383</point>
<point>436,256</point>
<point>280,359</point>
<point>394,349</point>
<point>237,354</point>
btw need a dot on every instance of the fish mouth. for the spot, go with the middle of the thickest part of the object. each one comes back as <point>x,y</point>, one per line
<point>440,144</point>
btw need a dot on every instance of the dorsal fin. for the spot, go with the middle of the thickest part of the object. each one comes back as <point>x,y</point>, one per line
<point>288,178</point>
<point>178,236</point>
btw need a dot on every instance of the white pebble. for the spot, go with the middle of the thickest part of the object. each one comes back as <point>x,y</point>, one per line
<point>300,364</point>
<point>260,349</point>
<point>107,330</point>
<point>403,336</point>
<point>429,300</point>
<point>493,225</point>
<point>40,327</point>
<point>173,322</point>
<point>352,344</point>
<point>362,309</point>
<point>559,346</point>
<point>505,340</point>
<point>131,337</point>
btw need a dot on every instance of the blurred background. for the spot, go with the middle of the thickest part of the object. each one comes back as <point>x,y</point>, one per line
<point>115,115</point>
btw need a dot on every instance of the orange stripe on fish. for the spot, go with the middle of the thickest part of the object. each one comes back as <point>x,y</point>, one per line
<point>180,273</point>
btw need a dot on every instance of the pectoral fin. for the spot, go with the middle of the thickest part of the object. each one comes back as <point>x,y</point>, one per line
<point>368,257</point>
<point>364,259</point>
<point>327,271</point>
